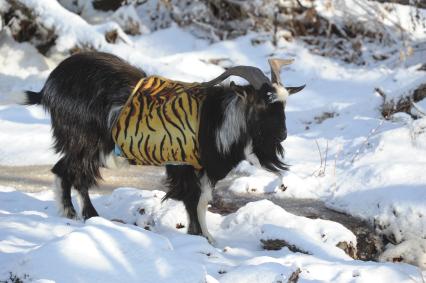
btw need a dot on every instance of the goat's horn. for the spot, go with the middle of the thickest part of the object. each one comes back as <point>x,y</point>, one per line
<point>294,89</point>
<point>276,65</point>
<point>252,74</point>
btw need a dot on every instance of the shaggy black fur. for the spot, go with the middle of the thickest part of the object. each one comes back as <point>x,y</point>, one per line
<point>266,130</point>
<point>83,94</point>
<point>79,95</point>
<point>216,164</point>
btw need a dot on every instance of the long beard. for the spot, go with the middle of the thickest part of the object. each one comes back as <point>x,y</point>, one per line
<point>271,157</point>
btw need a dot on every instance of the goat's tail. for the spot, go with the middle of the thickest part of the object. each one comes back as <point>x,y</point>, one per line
<point>32,97</point>
<point>21,97</point>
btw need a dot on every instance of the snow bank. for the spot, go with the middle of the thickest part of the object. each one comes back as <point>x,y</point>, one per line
<point>107,252</point>
<point>36,245</point>
<point>315,236</point>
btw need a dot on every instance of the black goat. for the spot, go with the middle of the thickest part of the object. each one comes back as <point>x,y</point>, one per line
<point>86,95</point>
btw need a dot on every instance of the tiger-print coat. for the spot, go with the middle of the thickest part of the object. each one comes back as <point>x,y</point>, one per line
<point>159,123</point>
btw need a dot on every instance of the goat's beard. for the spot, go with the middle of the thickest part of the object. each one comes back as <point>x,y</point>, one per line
<point>271,157</point>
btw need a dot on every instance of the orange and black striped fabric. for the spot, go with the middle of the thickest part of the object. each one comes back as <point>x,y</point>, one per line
<point>159,123</point>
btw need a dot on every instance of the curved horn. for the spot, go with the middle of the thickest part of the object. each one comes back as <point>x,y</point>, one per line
<point>276,65</point>
<point>252,74</point>
<point>294,89</point>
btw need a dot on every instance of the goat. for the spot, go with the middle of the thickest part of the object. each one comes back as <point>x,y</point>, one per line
<point>93,102</point>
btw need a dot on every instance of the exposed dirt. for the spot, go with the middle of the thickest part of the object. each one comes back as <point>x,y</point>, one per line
<point>369,244</point>
<point>39,178</point>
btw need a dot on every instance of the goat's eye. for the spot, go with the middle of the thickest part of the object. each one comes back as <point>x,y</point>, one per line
<point>271,97</point>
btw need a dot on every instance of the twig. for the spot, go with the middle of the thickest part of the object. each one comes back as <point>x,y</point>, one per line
<point>319,150</point>
<point>275,23</point>
<point>321,171</point>
<point>420,110</point>
<point>325,160</point>
<point>336,156</point>
<point>357,152</point>
<point>302,6</point>
<point>339,150</point>
<point>380,92</point>
<point>320,154</point>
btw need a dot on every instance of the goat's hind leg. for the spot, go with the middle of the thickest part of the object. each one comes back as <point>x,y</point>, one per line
<point>63,184</point>
<point>80,175</point>
<point>87,208</point>
<point>85,179</point>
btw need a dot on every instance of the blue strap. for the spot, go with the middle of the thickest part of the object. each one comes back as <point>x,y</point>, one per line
<point>117,151</point>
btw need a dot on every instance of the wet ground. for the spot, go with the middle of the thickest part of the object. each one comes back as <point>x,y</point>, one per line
<point>39,178</point>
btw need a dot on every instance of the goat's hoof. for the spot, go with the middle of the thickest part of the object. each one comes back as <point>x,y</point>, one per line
<point>210,239</point>
<point>68,212</point>
<point>194,230</point>
<point>89,213</point>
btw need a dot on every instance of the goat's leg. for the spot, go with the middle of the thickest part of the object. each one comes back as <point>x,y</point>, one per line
<point>205,198</point>
<point>190,203</point>
<point>87,209</point>
<point>63,189</point>
<point>86,176</point>
<point>184,185</point>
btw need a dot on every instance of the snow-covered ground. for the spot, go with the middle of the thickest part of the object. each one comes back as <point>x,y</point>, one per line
<point>39,246</point>
<point>340,148</point>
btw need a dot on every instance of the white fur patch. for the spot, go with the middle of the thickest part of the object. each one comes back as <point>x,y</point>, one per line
<point>206,196</point>
<point>234,123</point>
<point>80,203</point>
<point>250,156</point>
<point>281,93</point>
<point>17,97</point>
<point>58,191</point>
<point>112,161</point>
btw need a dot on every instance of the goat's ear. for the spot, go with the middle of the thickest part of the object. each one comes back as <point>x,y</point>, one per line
<point>238,90</point>
<point>294,89</point>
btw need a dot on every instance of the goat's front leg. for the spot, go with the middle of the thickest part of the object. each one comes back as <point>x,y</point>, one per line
<point>205,198</point>
<point>184,184</point>
<point>191,203</point>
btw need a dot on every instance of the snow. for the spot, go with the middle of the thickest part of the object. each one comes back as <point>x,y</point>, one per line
<point>38,245</point>
<point>397,17</point>
<point>340,149</point>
